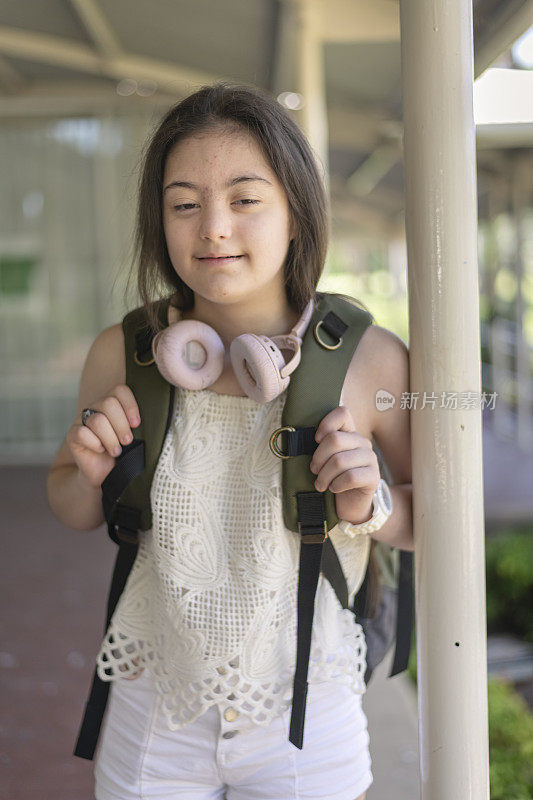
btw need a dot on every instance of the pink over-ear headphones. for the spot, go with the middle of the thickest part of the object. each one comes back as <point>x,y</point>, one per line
<point>257,361</point>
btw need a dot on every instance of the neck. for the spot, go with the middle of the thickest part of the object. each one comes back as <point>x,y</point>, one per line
<point>269,318</point>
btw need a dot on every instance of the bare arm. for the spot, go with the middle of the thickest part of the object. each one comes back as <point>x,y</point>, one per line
<point>73,500</point>
<point>391,429</point>
<point>74,493</point>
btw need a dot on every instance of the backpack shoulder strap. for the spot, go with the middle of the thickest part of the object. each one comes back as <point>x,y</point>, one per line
<point>332,336</point>
<point>333,333</point>
<point>126,490</point>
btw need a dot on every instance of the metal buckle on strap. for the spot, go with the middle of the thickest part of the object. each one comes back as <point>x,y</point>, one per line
<point>131,537</point>
<point>313,538</point>
<point>273,443</point>
<point>142,363</point>
<point>322,342</point>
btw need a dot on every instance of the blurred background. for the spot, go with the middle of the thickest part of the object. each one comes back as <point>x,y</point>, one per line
<point>82,84</point>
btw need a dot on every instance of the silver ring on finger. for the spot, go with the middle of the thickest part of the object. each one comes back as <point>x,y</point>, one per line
<point>86,413</point>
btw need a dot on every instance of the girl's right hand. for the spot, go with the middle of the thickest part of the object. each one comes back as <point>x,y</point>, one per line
<point>95,445</point>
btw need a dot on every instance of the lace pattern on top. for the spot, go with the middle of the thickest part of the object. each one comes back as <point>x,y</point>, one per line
<point>209,606</point>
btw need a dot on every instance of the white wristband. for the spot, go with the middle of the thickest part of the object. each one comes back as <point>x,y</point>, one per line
<point>382,509</point>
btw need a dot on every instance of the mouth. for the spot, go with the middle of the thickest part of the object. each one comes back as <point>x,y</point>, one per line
<point>221,259</point>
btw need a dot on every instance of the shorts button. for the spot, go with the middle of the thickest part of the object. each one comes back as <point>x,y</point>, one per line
<point>230,715</point>
<point>229,734</point>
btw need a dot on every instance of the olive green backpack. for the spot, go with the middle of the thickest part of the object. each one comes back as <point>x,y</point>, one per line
<point>333,333</point>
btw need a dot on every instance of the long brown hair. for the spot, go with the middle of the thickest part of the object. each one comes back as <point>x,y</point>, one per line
<point>289,154</point>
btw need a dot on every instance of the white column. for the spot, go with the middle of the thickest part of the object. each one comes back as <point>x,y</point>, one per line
<point>441,222</point>
<point>310,78</point>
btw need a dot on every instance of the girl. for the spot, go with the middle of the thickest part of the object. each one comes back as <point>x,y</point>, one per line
<point>232,220</point>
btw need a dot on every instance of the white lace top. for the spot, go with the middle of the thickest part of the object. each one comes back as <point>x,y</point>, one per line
<point>209,606</point>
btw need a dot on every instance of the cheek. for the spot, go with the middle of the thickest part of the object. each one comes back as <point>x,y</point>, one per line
<point>270,229</point>
<point>172,237</point>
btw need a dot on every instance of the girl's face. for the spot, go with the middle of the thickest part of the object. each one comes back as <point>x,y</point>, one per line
<point>220,197</point>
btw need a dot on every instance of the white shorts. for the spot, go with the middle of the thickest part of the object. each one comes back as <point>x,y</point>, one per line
<point>140,758</point>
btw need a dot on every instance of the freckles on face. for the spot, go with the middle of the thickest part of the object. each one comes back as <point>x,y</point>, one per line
<point>217,211</point>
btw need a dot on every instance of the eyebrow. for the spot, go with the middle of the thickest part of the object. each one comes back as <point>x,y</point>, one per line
<point>232,182</point>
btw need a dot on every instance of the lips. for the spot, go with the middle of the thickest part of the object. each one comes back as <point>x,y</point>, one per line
<point>220,260</point>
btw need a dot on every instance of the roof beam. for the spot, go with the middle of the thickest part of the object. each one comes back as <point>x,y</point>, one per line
<point>360,21</point>
<point>355,215</point>
<point>505,28</point>
<point>97,26</point>
<point>361,128</point>
<point>64,52</point>
<point>375,167</point>
<point>54,98</point>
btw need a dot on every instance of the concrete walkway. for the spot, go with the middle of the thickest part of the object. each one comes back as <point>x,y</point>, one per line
<point>390,705</point>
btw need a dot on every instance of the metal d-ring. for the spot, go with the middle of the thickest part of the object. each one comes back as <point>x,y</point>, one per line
<point>142,363</point>
<point>273,444</point>
<point>324,344</point>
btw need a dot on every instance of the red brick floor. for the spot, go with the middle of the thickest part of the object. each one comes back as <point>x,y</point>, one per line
<point>54,584</point>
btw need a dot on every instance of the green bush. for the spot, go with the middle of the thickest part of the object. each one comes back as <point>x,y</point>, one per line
<point>509,575</point>
<point>510,743</point>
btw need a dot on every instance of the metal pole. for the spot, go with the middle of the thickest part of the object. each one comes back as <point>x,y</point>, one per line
<point>524,383</point>
<point>498,204</point>
<point>441,222</point>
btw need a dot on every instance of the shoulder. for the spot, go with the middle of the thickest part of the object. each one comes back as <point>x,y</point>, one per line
<point>379,369</point>
<point>384,354</point>
<point>108,349</point>
<point>105,365</point>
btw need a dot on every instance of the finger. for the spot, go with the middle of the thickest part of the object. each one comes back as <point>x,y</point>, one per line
<point>126,397</point>
<point>343,462</point>
<point>112,407</point>
<point>363,478</point>
<point>88,438</point>
<point>101,426</point>
<point>339,418</point>
<point>335,442</point>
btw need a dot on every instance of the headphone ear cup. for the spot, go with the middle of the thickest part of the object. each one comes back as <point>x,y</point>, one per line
<point>257,362</point>
<point>189,353</point>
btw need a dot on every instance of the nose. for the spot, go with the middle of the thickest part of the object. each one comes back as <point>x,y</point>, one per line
<point>215,221</point>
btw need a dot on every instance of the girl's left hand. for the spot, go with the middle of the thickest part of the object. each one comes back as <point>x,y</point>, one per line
<point>346,464</point>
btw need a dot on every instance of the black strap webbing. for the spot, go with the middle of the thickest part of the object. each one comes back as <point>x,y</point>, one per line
<point>316,555</point>
<point>404,621</point>
<point>332,569</point>
<point>301,441</point>
<point>334,325</point>
<point>128,465</point>
<point>312,518</point>
<point>96,704</point>
<point>123,525</point>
